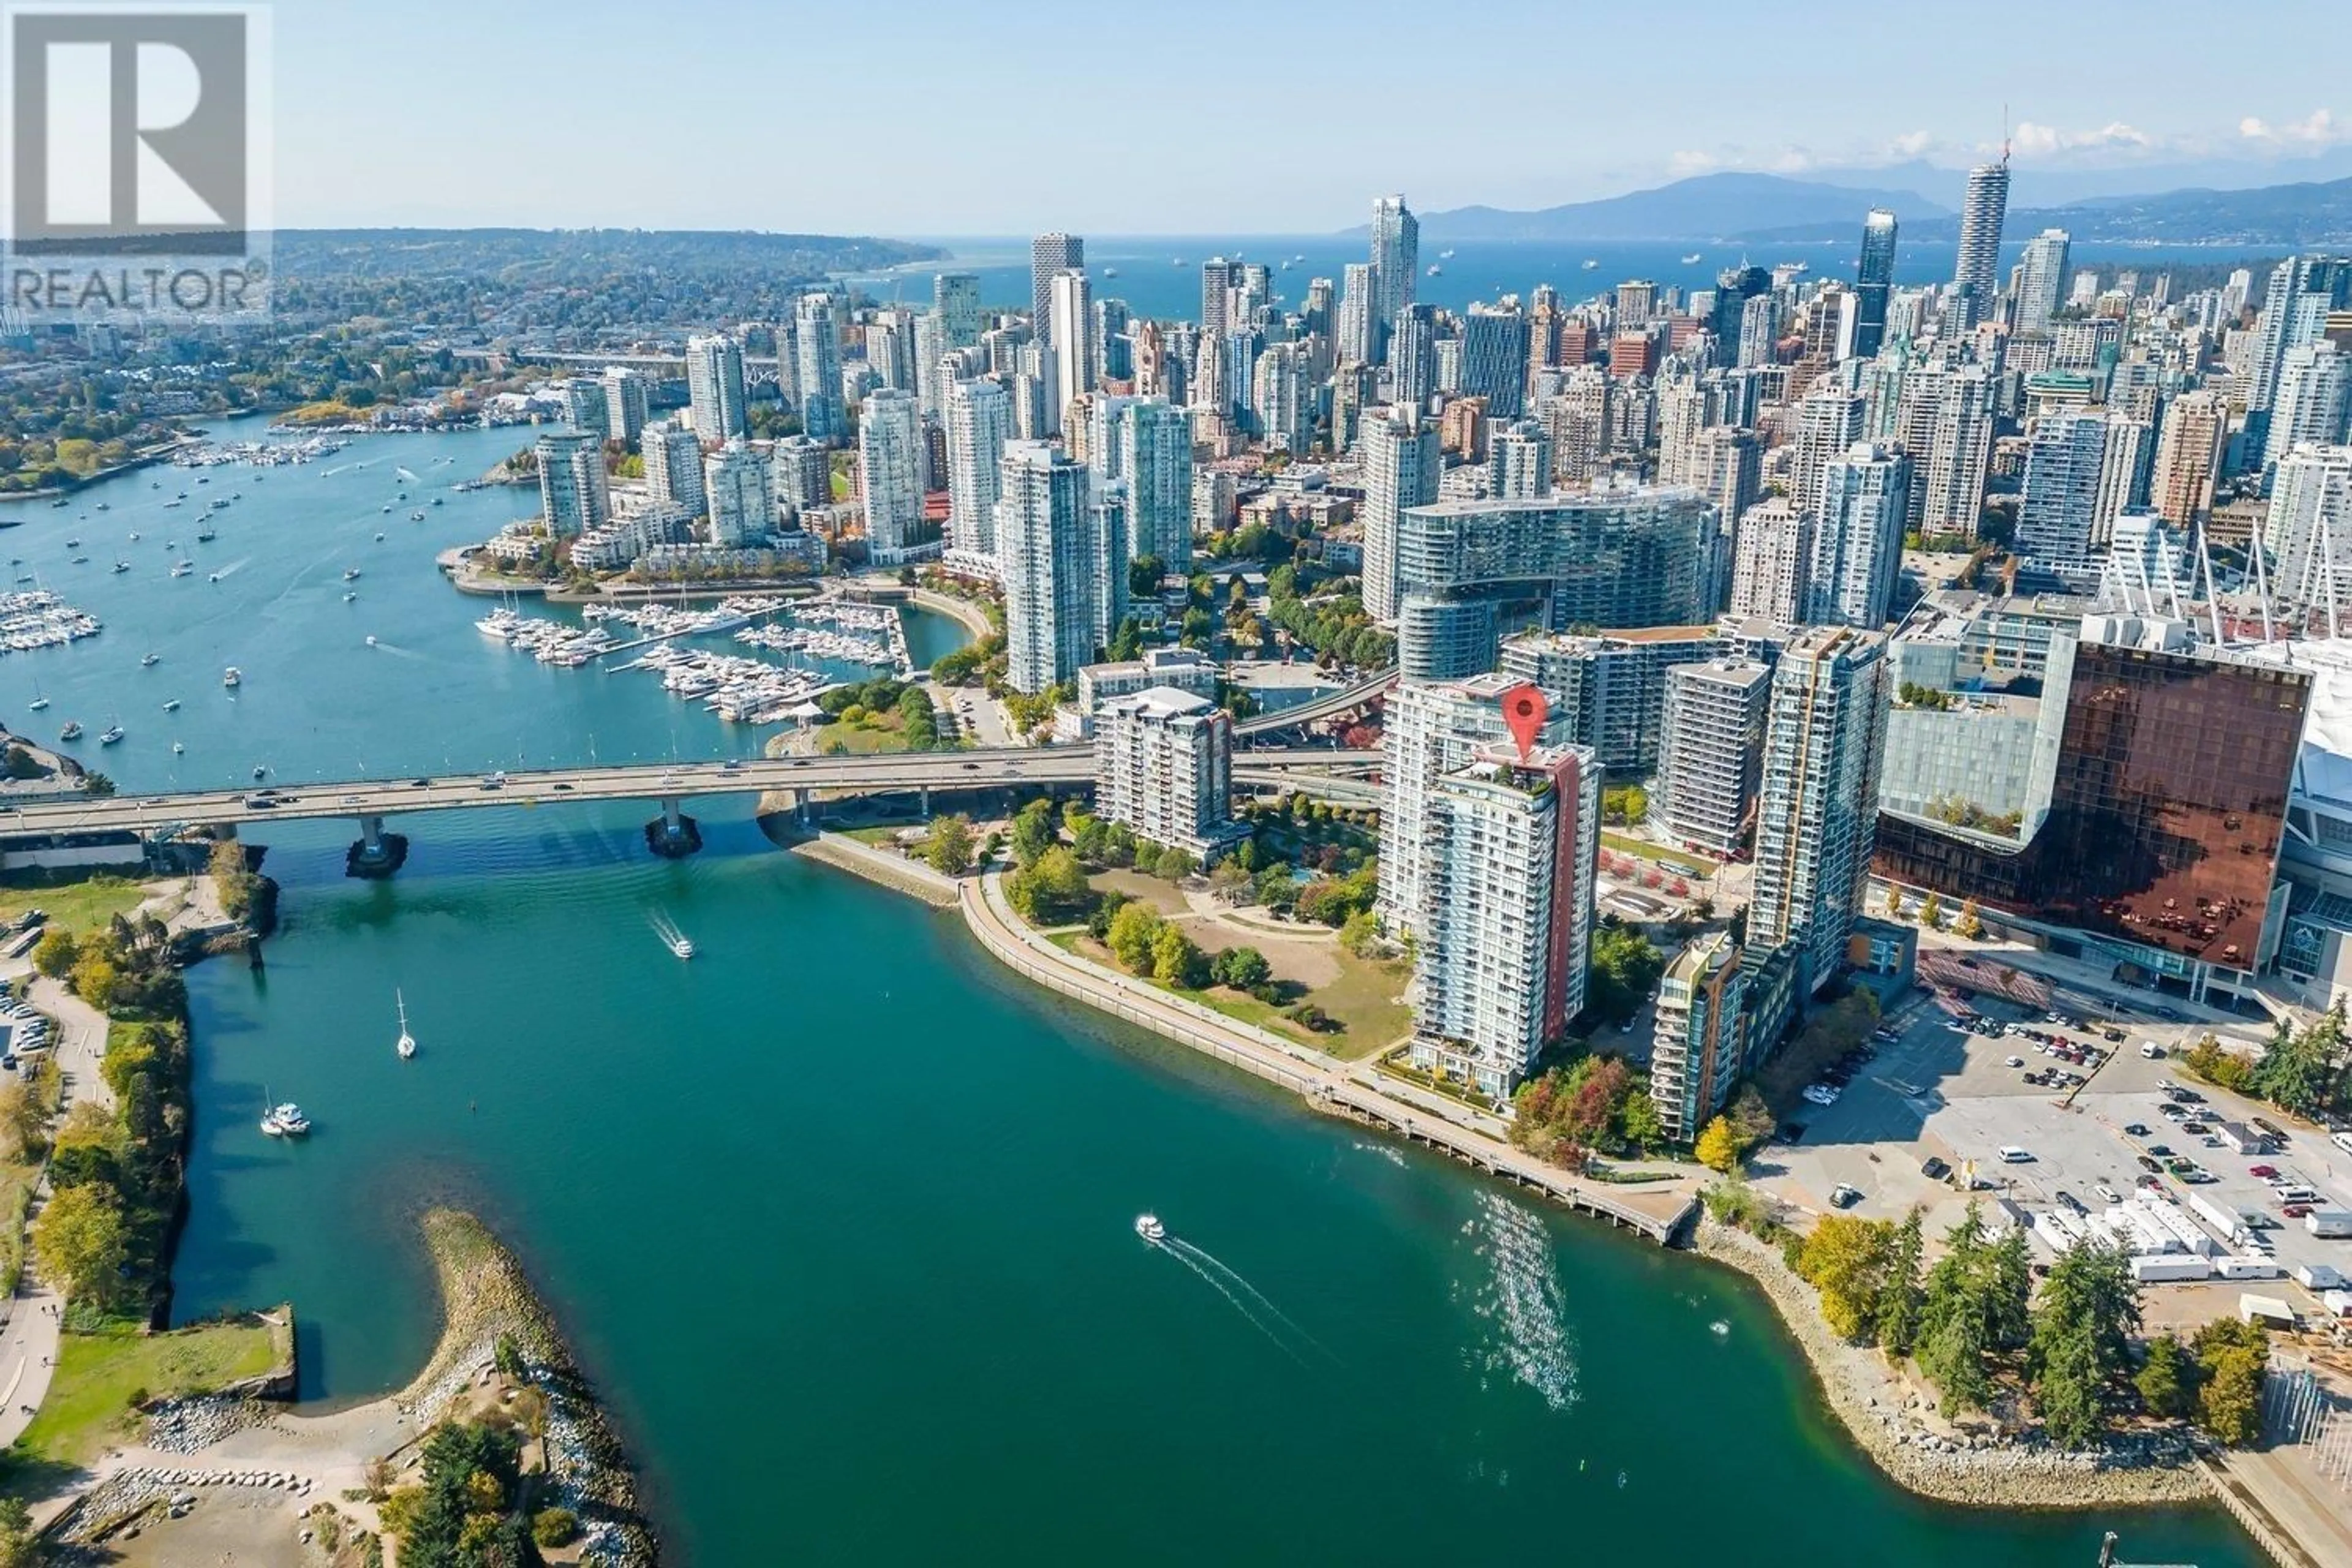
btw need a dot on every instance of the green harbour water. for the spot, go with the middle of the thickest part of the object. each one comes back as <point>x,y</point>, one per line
<point>839,1215</point>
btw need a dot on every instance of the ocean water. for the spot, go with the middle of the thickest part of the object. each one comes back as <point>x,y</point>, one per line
<point>1159,278</point>
<point>839,1214</point>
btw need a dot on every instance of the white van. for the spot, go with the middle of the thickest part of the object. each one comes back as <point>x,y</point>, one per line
<point>2151,1050</point>
<point>2294,1194</point>
<point>2011,1155</point>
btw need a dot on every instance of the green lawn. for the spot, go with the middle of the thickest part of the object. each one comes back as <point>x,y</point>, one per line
<point>78,902</point>
<point>1361,999</point>
<point>97,1375</point>
<point>1364,998</point>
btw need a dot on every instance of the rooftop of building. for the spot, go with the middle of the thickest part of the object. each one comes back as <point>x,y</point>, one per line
<point>1630,634</point>
<point>1944,614</point>
<point>1700,954</point>
<point>1159,702</point>
<point>1737,674</point>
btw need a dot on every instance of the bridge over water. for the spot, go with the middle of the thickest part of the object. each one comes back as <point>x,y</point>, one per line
<point>371,801</point>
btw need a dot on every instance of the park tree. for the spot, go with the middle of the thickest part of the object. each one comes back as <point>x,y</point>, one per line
<point>2167,1380</point>
<point>58,952</point>
<point>1640,1124</point>
<point>1133,931</point>
<point>1034,832</point>
<point>1951,1356</point>
<point>1931,911</point>
<point>2230,1355</point>
<point>78,1239</point>
<point>1625,966</point>
<point>1242,968</point>
<point>1176,959</point>
<point>1901,1299</point>
<point>1969,926</point>
<point>23,1119</point>
<point>949,850</point>
<point>1718,1146</point>
<point>1846,1260</point>
<point>1751,1118</point>
<point>1361,934</point>
<point>2069,1386</point>
<point>1051,890</point>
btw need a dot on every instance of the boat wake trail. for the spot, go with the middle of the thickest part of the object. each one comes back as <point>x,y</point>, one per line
<point>1210,1263</point>
<point>1521,1300</point>
<point>1260,1324</point>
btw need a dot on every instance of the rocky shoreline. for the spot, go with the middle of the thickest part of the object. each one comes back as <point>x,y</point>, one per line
<point>1876,1408</point>
<point>485,1298</point>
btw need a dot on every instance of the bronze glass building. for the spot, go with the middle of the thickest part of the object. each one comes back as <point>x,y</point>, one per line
<point>2164,816</point>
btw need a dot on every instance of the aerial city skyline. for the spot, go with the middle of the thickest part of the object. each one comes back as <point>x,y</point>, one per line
<point>1159,870</point>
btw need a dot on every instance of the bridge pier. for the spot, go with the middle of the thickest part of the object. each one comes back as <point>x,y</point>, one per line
<point>927,802</point>
<point>673,835</point>
<point>377,853</point>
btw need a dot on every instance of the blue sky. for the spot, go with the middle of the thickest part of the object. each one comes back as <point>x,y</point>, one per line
<point>994,117</point>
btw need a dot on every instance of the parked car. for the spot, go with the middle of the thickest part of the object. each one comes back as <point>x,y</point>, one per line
<point>2160,1151</point>
<point>2265,1172</point>
<point>2107,1194</point>
<point>1843,1196</point>
<point>1934,1170</point>
<point>2017,1061</point>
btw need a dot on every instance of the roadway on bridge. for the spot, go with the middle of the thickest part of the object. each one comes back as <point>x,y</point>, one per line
<point>1001,768</point>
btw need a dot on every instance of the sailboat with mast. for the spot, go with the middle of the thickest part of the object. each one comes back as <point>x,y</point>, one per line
<point>406,1044</point>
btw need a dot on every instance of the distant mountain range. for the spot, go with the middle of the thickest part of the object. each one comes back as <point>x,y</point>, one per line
<point>1707,206</point>
<point>1771,208</point>
<point>2270,216</point>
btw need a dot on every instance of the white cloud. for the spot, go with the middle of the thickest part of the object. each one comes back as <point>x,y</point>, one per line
<point>2043,140</point>
<point>1687,163</point>
<point>1911,144</point>
<point>2320,128</point>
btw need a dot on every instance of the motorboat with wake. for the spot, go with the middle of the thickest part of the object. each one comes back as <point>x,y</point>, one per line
<point>1147,1226</point>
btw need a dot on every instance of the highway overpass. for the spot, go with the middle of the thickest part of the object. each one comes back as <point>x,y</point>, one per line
<point>1331,705</point>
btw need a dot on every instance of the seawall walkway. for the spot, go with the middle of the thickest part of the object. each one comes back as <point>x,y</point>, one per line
<point>1323,1083</point>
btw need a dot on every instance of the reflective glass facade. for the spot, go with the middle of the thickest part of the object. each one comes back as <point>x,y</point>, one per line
<point>2165,817</point>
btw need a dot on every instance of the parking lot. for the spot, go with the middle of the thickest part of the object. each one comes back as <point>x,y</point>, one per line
<point>1939,1092</point>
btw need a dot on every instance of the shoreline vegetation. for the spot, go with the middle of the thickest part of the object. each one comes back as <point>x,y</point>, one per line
<point>498,1432</point>
<point>1879,1409</point>
<point>500,1404</point>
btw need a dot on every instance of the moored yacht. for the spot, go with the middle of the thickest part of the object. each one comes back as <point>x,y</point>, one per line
<point>111,734</point>
<point>232,676</point>
<point>72,732</point>
<point>285,1121</point>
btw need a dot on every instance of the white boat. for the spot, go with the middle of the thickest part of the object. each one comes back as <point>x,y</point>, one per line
<point>379,539</point>
<point>173,706</point>
<point>285,1121</point>
<point>1435,270</point>
<point>1589,263</point>
<point>111,734</point>
<point>1691,259</point>
<point>232,676</point>
<point>1148,1227</point>
<point>348,598</point>
<point>180,569</point>
<point>72,732</point>
<point>150,660</point>
<point>177,748</point>
<point>682,945</point>
<point>406,1044</point>
<point>370,642</point>
<point>350,572</point>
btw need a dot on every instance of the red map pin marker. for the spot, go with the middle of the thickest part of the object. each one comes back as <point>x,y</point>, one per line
<point>1524,708</point>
